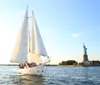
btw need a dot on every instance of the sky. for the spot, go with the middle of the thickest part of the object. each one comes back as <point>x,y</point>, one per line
<point>64,26</point>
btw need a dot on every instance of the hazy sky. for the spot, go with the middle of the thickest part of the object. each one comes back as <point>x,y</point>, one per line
<point>64,26</point>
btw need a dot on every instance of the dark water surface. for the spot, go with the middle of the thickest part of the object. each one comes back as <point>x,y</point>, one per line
<point>53,75</point>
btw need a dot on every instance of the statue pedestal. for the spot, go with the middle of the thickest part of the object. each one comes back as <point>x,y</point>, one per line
<point>85,58</point>
<point>86,62</point>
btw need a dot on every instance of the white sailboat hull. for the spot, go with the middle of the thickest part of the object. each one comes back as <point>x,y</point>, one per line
<point>37,70</point>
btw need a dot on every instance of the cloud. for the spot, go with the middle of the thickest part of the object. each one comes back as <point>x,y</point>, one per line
<point>47,33</point>
<point>76,35</point>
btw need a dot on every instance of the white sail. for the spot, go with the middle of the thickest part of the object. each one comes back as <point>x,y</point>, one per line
<point>29,42</point>
<point>37,43</point>
<point>32,57</point>
<point>20,50</point>
<point>32,46</point>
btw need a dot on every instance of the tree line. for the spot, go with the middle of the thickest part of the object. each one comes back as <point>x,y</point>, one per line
<point>73,62</point>
<point>69,62</point>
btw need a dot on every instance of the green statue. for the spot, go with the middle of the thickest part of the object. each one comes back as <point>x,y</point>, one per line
<point>85,49</point>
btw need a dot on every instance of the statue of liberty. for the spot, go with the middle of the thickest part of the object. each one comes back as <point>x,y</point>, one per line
<point>85,56</point>
<point>86,62</point>
<point>85,49</point>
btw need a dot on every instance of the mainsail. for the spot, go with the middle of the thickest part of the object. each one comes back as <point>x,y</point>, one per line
<point>20,49</point>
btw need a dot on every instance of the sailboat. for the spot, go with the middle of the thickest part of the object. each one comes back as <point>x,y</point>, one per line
<point>29,48</point>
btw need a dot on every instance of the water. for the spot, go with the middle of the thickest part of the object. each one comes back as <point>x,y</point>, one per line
<point>53,75</point>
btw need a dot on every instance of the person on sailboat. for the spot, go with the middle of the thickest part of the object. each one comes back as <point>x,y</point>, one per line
<point>21,65</point>
<point>27,64</point>
<point>33,64</point>
<point>30,64</point>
